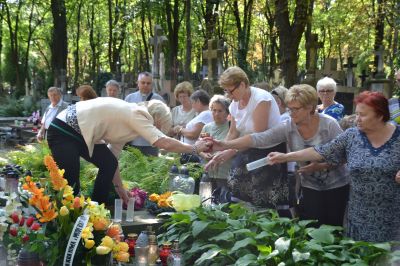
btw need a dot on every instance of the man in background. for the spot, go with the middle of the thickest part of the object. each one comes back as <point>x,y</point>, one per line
<point>112,88</point>
<point>144,93</point>
<point>55,107</point>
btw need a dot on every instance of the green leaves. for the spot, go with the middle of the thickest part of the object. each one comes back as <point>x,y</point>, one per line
<point>234,235</point>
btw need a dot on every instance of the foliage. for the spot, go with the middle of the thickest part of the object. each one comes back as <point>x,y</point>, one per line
<point>56,211</point>
<point>150,173</point>
<point>233,235</point>
<point>11,107</point>
<point>30,157</point>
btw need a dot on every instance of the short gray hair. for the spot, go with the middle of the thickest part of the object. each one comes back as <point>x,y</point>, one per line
<point>56,89</point>
<point>161,112</point>
<point>112,82</point>
<point>326,82</point>
<point>222,100</point>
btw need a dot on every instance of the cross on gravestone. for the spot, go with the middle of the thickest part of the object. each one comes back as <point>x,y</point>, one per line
<point>157,41</point>
<point>379,53</point>
<point>312,46</point>
<point>213,55</point>
<point>349,71</point>
<point>363,77</point>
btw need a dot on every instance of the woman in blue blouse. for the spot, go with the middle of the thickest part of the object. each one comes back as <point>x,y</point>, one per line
<point>326,88</point>
<point>372,153</point>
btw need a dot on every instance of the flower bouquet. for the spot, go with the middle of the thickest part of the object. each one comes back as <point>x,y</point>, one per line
<point>61,228</point>
<point>157,204</point>
<point>35,117</point>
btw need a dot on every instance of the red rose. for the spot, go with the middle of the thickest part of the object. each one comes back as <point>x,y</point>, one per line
<point>35,226</point>
<point>13,231</point>
<point>21,222</point>
<point>29,221</point>
<point>25,238</point>
<point>15,217</point>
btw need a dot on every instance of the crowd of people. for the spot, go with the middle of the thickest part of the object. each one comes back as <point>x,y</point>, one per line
<point>315,169</point>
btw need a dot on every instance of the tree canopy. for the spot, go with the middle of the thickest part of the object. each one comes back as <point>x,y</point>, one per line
<point>81,41</point>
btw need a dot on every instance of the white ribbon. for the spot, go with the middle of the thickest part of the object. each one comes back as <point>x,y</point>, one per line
<point>74,239</point>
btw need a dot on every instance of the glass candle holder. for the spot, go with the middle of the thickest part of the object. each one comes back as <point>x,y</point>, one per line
<point>141,255</point>
<point>131,210</point>
<point>118,210</point>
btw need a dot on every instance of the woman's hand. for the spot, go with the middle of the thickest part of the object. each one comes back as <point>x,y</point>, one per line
<point>397,178</point>
<point>276,157</point>
<point>218,145</point>
<point>206,155</point>
<point>123,194</point>
<point>203,145</point>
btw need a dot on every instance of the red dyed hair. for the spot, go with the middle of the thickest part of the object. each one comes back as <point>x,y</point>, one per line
<point>377,101</point>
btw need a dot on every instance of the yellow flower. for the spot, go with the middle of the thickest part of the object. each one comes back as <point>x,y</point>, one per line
<point>89,243</point>
<point>102,250</point>
<point>154,197</point>
<point>123,246</point>
<point>107,242</point>
<point>122,256</point>
<point>100,224</point>
<point>64,211</point>
<point>87,232</point>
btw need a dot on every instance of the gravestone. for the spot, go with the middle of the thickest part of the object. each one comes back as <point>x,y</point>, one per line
<point>345,95</point>
<point>312,47</point>
<point>379,54</point>
<point>157,41</point>
<point>349,72</point>
<point>330,70</point>
<point>363,78</point>
<point>213,55</point>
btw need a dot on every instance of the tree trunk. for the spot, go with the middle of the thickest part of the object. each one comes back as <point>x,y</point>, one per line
<point>144,39</point>
<point>243,30</point>
<point>188,58</point>
<point>173,24</point>
<point>290,36</point>
<point>1,47</point>
<point>14,46</point>
<point>110,36</point>
<point>379,28</point>
<point>59,42</point>
<point>76,52</point>
<point>93,44</point>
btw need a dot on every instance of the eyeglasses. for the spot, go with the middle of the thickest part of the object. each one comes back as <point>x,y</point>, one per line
<point>231,91</point>
<point>294,109</point>
<point>325,91</point>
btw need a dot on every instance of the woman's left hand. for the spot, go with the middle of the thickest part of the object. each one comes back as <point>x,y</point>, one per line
<point>397,178</point>
<point>123,194</point>
<point>203,145</point>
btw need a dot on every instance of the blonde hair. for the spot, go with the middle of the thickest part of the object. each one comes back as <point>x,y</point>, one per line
<point>233,76</point>
<point>160,112</point>
<point>304,94</point>
<point>183,87</point>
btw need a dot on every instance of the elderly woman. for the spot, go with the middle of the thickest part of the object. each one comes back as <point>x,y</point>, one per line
<point>324,189</point>
<point>279,94</point>
<point>372,153</point>
<point>218,129</point>
<point>191,132</point>
<point>82,129</point>
<point>252,110</point>
<point>86,92</point>
<point>183,113</point>
<point>326,88</point>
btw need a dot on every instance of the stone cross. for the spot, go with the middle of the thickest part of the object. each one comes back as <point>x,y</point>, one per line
<point>313,45</point>
<point>213,54</point>
<point>157,41</point>
<point>379,53</point>
<point>349,71</point>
